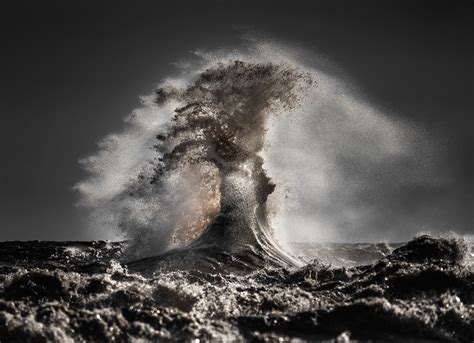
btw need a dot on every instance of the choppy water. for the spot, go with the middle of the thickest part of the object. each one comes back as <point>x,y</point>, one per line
<point>80,291</point>
<point>186,183</point>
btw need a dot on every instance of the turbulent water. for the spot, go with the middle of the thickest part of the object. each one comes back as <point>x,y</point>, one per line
<point>186,185</point>
<point>78,291</point>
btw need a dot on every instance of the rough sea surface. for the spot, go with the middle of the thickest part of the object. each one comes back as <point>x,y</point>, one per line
<point>186,184</point>
<point>84,291</point>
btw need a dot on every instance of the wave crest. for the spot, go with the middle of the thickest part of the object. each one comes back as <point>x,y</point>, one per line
<point>206,160</point>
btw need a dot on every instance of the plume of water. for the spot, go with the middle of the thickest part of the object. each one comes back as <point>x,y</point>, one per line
<point>193,163</point>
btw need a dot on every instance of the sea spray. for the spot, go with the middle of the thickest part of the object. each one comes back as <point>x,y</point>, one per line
<point>218,134</point>
<point>198,162</point>
<point>207,161</point>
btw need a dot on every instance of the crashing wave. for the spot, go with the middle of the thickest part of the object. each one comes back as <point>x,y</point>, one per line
<point>215,139</point>
<point>189,173</point>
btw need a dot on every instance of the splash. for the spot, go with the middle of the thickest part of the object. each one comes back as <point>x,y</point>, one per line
<point>216,137</point>
<point>192,166</point>
<point>206,178</point>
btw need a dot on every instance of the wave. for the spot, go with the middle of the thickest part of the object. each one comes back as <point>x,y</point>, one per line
<point>206,181</point>
<point>189,173</point>
<point>214,140</point>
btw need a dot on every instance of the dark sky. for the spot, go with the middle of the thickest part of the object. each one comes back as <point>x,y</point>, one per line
<point>71,70</point>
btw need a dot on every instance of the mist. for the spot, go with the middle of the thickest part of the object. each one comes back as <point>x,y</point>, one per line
<point>344,169</point>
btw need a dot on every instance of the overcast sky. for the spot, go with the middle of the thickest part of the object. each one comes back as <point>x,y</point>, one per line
<point>71,70</point>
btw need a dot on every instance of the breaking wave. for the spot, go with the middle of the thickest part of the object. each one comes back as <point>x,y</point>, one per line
<point>188,172</point>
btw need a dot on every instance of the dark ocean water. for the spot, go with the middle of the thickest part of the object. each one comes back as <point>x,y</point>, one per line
<point>84,291</point>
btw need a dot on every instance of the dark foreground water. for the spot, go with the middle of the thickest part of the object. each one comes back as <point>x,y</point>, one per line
<point>78,291</point>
